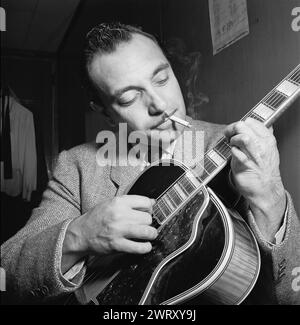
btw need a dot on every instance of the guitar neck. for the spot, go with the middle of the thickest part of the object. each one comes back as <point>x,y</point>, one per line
<point>266,111</point>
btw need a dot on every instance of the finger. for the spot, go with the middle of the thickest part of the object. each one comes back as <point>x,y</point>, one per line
<point>139,217</point>
<point>139,202</point>
<point>140,232</point>
<point>258,127</point>
<point>270,128</point>
<point>247,145</point>
<point>238,128</point>
<point>239,155</point>
<point>132,247</point>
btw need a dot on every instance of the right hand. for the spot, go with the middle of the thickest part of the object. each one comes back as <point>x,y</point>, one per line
<point>122,224</point>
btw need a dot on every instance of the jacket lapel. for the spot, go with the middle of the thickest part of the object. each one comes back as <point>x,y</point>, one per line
<point>122,176</point>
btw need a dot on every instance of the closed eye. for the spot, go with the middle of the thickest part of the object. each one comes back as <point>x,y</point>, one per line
<point>162,81</point>
<point>128,98</point>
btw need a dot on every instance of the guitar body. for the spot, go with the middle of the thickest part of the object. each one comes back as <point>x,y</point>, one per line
<point>205,253</point>
<point>202,255</point>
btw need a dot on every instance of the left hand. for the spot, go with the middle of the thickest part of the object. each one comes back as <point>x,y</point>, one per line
<point>255,169</point>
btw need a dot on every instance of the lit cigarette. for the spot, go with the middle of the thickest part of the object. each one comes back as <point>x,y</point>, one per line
<point>177,119</point>
<point>180,121</point>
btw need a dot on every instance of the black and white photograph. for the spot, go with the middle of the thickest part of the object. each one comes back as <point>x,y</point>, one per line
<point>150,155</point>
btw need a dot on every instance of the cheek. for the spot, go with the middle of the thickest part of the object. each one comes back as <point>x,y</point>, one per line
<point>136,119</point>
<point>175,97</point>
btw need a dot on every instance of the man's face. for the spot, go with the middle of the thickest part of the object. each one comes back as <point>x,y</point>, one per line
<point>137,85</point>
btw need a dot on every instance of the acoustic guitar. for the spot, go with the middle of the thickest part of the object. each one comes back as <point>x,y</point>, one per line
<point>205,252</point>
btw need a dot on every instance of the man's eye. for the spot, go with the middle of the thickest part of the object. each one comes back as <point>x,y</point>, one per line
<point>162,81</point>
<point>128,99</point>
<point>161,78</point>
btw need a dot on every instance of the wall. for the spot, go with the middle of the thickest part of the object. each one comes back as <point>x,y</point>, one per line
<point>234,80</point>
<point>31,81</point>
<point>239,76</point>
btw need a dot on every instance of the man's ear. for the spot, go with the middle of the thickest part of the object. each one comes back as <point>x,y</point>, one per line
<point>95,107</point>
<point>101,109</point>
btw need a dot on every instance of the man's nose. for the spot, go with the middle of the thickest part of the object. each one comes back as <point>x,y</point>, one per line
<point>157,104</point>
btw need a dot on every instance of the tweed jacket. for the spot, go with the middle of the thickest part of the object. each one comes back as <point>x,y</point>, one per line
<point>31,259</point>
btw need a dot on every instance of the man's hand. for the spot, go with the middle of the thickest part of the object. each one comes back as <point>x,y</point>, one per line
<point>255,169</point>
<point>118,225</point>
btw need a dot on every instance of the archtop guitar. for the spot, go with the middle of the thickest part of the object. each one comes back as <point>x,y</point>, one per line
<point>205,252</point>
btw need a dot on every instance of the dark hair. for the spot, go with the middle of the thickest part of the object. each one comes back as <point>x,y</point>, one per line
<point>102,39</point>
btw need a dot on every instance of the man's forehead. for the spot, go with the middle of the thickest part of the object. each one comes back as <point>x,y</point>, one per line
<point>132,60</point>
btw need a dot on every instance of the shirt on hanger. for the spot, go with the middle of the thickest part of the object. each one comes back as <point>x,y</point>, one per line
<point>23,153</point>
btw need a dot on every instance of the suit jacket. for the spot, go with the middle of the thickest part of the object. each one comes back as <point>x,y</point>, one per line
<point>32,257</point>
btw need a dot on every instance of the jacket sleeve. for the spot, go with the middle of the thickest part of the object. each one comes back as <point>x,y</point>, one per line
<point>32,258</point>
<point>280,272</point>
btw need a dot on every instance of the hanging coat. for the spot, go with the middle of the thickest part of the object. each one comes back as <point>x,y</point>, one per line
<point>23,153</point>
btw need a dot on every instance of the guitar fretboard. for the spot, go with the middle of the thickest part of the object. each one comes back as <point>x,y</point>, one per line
<point>266,111</point>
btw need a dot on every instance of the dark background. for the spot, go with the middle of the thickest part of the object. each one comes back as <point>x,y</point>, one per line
<point>44,71</point>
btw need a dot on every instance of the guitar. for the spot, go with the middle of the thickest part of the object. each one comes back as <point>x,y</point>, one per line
<point>205,253</point>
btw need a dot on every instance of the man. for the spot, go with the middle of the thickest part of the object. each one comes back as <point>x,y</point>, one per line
<point>84,210</point>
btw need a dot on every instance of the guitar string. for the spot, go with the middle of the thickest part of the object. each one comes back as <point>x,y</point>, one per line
<point>297,71</point>
<point>267,97</point>
<point>296,74</point>
<point>208,166</point>
<point>292,75</point>
<point>276,99</point>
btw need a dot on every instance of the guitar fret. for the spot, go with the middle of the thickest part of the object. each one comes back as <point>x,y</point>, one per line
<point>169,200</point>
<point>179,191</point>
<point>294,82</point>
<point>219,160</point>
<point>223,148</point>
<point>182,187</point>
<point>186,185</point>
<point>191,177</point>
<point>159,216</point>
<point>209,163</point>
<point>164,207</point>
<point>257,117</point>
<point>295,77</point>
<point>177,199</point>
<point>264,111</point>
<point>287,88</point>
<point>202,172</point>
<point>217,157</point>
<point>275,99</point>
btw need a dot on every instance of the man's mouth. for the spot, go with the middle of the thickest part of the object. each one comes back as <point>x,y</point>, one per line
<point>165,120</point>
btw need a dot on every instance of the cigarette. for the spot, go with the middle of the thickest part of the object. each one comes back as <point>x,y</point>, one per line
<point>180,121</point>
<point>176,119</point>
